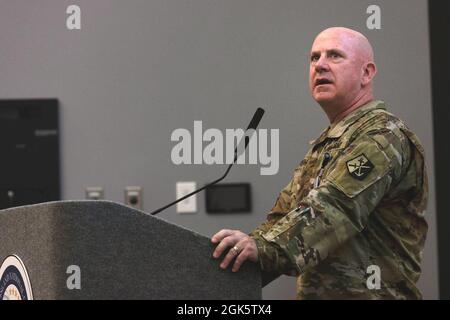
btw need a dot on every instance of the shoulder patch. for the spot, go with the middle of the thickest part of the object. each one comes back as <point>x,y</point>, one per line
<point>359,167</point>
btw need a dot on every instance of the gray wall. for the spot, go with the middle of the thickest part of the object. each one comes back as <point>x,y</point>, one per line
<point>140,69</point>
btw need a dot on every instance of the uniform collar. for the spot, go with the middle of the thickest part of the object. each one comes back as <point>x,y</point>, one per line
<point>339,128</point>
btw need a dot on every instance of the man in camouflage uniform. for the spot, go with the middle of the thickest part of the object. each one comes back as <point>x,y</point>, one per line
<point>355,204</point>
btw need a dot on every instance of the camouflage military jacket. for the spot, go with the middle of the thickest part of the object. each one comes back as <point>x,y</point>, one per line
<point>350,224</point>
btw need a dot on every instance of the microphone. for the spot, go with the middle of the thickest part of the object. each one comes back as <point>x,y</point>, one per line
<point>252,125</point>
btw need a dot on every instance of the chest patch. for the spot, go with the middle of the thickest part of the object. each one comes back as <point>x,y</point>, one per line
<point>359,167</point>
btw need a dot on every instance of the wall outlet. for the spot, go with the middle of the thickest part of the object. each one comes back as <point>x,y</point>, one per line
<point>133,197</point>
<point>188,205</point>
<point>94,193</point>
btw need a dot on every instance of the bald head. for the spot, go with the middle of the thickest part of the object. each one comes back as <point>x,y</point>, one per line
<point>341,71</point>
<point>352,40</point>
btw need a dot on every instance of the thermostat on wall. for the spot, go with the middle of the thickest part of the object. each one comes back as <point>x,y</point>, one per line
<point>228,198</point>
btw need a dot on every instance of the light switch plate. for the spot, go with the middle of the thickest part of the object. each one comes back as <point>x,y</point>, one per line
<point>188,205</point>
<point>94,193</point>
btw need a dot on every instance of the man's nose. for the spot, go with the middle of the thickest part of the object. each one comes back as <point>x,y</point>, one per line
<point>322,65</point>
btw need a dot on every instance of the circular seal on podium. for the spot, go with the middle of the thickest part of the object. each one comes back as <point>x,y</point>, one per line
<point>14,281</point>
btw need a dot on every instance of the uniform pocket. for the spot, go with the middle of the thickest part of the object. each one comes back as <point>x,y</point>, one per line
<point>290,220</point>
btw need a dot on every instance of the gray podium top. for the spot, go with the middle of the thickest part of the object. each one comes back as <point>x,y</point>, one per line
<point>122,253</point>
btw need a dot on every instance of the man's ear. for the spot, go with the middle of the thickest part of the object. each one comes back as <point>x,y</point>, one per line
<point>369,71</point>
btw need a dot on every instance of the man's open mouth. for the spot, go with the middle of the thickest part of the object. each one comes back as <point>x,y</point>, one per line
<point>322,81</point>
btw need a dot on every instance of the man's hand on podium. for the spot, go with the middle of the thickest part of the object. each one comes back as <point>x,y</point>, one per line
<point>242,248</point>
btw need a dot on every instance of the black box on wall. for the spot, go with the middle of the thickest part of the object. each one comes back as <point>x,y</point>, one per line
<point>229,198</point>
<point>29,152</point>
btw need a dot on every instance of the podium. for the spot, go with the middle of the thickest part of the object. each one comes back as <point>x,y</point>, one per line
<point>104,250</point>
